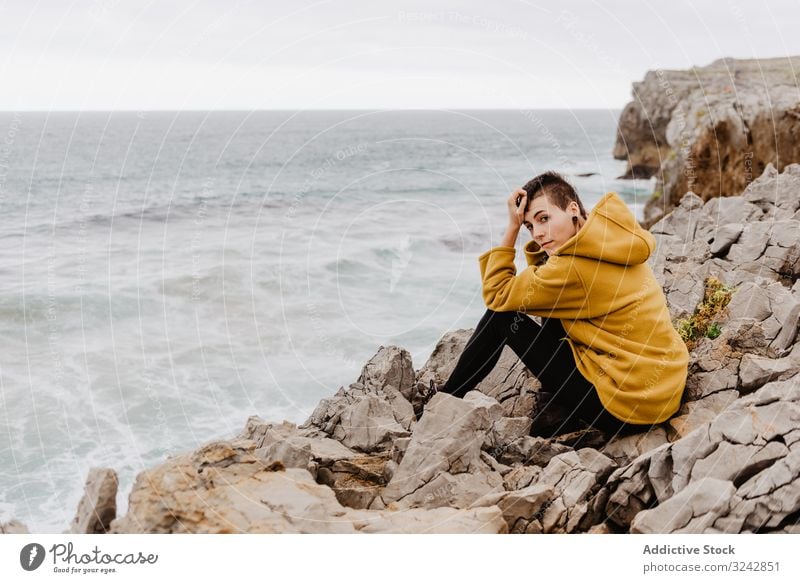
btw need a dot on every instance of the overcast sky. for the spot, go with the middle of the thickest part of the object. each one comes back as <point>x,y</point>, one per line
<point>350,54</point>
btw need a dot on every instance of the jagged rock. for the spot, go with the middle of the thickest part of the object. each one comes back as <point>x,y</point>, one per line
<point>13,527</point>
<point>390,367</point>
<point>601,528</point>
<point>693,414</point>
<point>98,506</point>
<point>374,411</point>
<point>754,444</point>
<point>587,437</point>
<point>575,477</point>
<point>399,449</point>
<point>521,477</point>
<point>522,509</point>
<point>709,129</point>
<point>536,451</point>
<point>755,371</point>
<point>555,499</point>
<point>224,488</point>
<point>501,469</point>
<point>506,430</point>
<point>290,445</point>
<point>355,478</point>
<point>707,498</point>
<point>623,450</point>
<point>442,465</point>
<point>510,382</point>
<point>751,243</point>
<point>356,481</point>
<point>774,308</point>
<point>433,521</point>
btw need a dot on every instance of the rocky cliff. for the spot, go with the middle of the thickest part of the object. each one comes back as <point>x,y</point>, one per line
<point>728,462</point>
<point>711,130</point>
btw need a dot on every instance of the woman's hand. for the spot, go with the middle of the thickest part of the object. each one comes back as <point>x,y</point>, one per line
<point>515,217</point>
<point>516,213</point>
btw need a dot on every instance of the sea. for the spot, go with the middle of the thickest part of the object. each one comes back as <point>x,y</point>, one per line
<point>166,275</point>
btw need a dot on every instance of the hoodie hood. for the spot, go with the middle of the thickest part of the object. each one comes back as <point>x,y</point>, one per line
<point>611,234</point>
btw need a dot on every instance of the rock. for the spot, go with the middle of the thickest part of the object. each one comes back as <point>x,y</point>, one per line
<point>510,382</point>
<point>755,341</point>
<point>724,237</point>
<point>693,414</point>
<point>374,411</point>
<point>13,527</point>
<point>623,450</point>
<point>522,509</point>
<point>709,129</point>
<point>530,450</point>
<point>356,481</point>
<point>575,477</point>
<point>289,445</point>
<point>442,465</point>
<point>390,367</point>
<point>98,506</point>
<point>708,498</point>
<point>355,478</point>
<point>601,528</point>
<point>399,449</point>
<point>507,430</point>
<point>224,488</point>
<point>433,521</point>
<point>753,445</point>
<point>755,371</point>
<point>521,477</point>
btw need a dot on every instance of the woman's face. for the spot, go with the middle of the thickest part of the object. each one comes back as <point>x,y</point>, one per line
<point>549,225</point>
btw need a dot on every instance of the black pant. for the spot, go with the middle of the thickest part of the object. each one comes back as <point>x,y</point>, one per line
<point>546,356</point>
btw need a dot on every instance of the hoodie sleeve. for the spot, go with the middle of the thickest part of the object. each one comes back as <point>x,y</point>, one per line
<point>552,289</point>
<point>534,254</point>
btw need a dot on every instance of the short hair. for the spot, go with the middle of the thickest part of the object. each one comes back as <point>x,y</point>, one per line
<point>558,190</point>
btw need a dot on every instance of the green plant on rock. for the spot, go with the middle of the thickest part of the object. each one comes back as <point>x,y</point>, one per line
<point>713,331</point>
<point>703,322</point>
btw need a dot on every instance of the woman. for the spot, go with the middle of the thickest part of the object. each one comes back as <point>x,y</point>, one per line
<point>606,351</point>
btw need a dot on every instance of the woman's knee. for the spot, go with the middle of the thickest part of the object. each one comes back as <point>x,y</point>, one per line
<point>509,321</point>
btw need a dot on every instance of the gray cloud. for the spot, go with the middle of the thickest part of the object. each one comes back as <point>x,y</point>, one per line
<point>353,54</point>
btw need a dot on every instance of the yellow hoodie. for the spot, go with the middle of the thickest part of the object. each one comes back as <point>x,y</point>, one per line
<point>611,306</point>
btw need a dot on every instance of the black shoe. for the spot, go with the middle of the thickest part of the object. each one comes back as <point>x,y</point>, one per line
<point>548,417</point>
<point>433,388</point>
<point>424,394</point>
